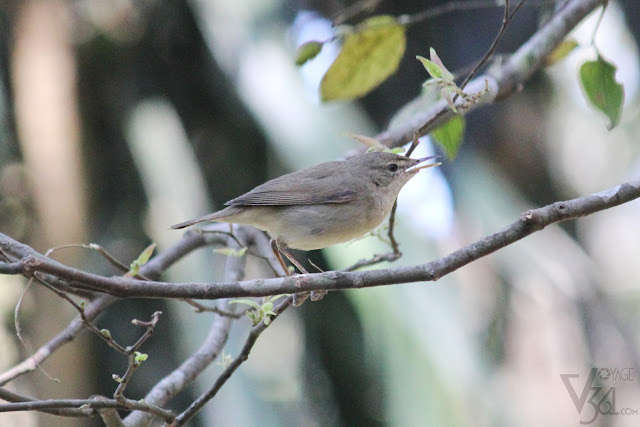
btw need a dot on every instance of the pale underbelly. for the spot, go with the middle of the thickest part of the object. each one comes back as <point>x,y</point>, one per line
<point>312,226</point>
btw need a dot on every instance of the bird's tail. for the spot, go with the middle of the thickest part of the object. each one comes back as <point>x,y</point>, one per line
<point>216,216</point>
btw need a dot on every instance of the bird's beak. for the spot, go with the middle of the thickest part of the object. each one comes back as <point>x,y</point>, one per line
<point>418,166</point>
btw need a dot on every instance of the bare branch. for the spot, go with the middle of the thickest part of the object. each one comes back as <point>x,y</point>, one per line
<point>511,76</point>
<point>95,247</point>
<point>18,258</point>
<point>77,407</point>
<point>193,366</point>
<point>156,265</point>
<point>506,20</point>
<point>91,311</point>
<point>457,6</point>
<point>131,351</point>
<point>531,222</point>
<point>11,268</point>
<point>242,357</point>
<point>201,308</point>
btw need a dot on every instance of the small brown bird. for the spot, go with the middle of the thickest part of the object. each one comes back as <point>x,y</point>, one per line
<point>323,205</point>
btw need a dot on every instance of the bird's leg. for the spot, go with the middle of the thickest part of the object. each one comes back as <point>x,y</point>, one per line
<point>291,258</point>
<point>315,295</point>
<point>276,252</point>
<point>277,248</point>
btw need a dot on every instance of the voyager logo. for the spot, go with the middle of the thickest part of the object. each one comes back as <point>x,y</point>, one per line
<point>594,398</point>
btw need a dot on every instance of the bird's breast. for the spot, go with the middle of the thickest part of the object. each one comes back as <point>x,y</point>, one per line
<point>319,226</point>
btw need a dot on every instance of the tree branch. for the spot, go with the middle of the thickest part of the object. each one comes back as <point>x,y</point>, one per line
<point>190,241</point>
<point>528,59</point>
<point>81,407</point>
<point>226,374</point>
<point>530,222</point>
<point>210,349</point>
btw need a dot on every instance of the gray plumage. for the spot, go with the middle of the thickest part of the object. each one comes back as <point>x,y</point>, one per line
<point>323,205</point>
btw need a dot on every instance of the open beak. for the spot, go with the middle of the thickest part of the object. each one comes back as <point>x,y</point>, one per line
<point>419,165</point>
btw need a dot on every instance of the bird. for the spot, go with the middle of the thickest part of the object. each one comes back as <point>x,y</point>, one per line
<point>323,205</point>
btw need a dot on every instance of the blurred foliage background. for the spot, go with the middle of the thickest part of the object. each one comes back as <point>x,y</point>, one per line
<point>119,118</point>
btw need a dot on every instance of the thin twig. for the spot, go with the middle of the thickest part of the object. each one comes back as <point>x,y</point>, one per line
<point>95,247</point>
<point>376,259</point>
<point>18,328</point>
<point>106,337</point>
<point>224,233</point>
<point>273,267</point>
<point>414,144</point>
<point>506,20</point>
<point>131,352</point>
<point>92,310</point>
<point>226,374</point>
<point>595,30</point>
<point>457,6</point>
<point>200,308</point>
<point>354,9</point>
<point>395,253</point>
<point>506,79</point>
<point>212,346</point>
<point>392,238</point>
<point>15,250</point>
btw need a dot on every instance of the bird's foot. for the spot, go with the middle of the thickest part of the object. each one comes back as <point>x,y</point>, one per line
<point>300,298</point>
<point>318,295</point>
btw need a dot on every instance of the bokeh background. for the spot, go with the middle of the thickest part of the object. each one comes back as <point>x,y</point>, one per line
<point>119,118</point>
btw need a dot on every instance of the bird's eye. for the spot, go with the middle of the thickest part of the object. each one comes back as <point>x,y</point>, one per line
<point>392,167</point>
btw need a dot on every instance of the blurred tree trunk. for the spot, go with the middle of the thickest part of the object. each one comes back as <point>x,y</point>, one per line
<point>44,89</point>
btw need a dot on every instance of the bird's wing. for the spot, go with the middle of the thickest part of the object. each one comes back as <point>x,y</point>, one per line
<point>309,187</point>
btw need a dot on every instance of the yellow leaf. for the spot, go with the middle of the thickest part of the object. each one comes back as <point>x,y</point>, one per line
<point>307,51</point>
<point>368,57</point>
<point>560,52</point>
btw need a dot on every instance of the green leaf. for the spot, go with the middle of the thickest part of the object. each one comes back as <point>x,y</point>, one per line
<point>602,89</point>
<point>307,51</point>
<point>368,57</point>
<point>231,251</point>
<point>254,316</point>
<point>146,254</point>
<point>105,333</point>
<point>431,67</point>
<point>560,52</point>
<point>140,357</point>
<point>450,135</point>
<point>446,75</point>
<point>134,268</point>
<point>435,67</point>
